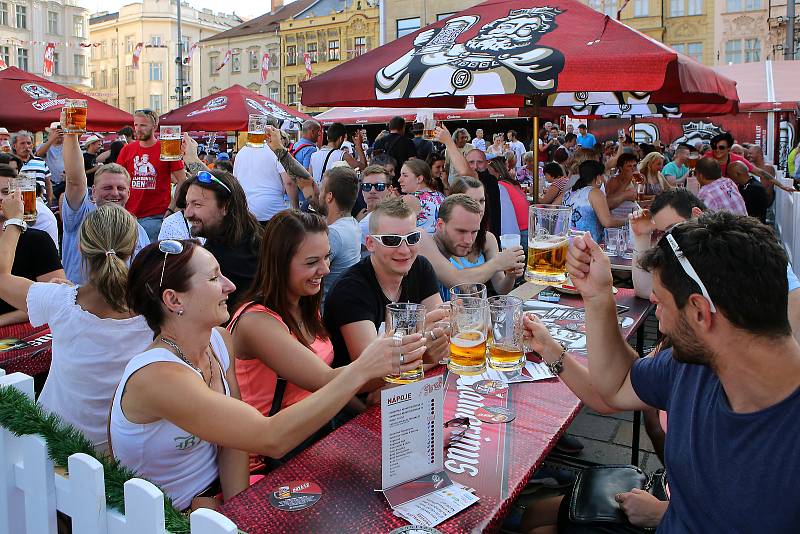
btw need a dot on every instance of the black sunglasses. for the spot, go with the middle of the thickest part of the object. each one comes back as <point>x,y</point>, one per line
<point>367,187</point>
<point>721,147</point>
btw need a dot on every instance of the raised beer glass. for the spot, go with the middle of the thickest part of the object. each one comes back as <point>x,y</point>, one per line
<point>506,352</point>
<point>469,325</point>
<point>548,238</point>
<point>75,110</point>
<point>26,185</point>
<point>170,138</point>
<point>468,290</point>
<point>402,319</point>
<point>256,130</point>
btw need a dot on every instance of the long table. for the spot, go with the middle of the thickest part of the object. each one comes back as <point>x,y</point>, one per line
<point>347,464</point>
<point>25,349</point>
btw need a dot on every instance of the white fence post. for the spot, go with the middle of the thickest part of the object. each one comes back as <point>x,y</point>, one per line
<point>82,496</point>
<point>205,521</point>
<point>35,478</point>
<point>144,508</point>
<point>12,499</point>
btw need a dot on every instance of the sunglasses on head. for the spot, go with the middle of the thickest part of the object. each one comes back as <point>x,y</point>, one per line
<point>395,240</point>
<point>205,177</point>
<point>168,246</point>
<point>380,186</point>
<point>686,265</point>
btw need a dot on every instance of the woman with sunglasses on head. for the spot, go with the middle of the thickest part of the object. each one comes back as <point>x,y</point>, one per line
<point>94,332</point>
<point>416,184</point>
<point>176,417</point>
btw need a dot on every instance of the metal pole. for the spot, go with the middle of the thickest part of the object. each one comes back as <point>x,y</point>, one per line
<point>536,150</point>
<point>788,49</point>
<point>179,59</point>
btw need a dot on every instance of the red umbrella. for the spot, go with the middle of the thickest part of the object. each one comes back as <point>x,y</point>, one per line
<point>32,103</point>
<point>227,111</point>
<point>511,53</point>
<point>347,115</point>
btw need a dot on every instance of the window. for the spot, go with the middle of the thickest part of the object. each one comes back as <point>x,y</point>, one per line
<point>155,40</point>
<point>103,78</point>
<point>5,55</point>
<point>4,14</point>
<point>78,26</point>
<point>334,53</point>
<point>311,48</point>
<point>129,74</point>
<point>752,50</point>
<point>695,51</point>
<point>22,16</point>
<point>212,64</point>
<point>93,76</point>
<point>695,7</point>
<point>677,8</point>
<point>104,49</point>
<point>236,62</point>
<point>733,52</point>
<point>273,93</point>
<point>291,55</point>
<point>255,61</point>
<point>291,94</point>
<point>79,64</point>
<point>442,16</point>
<point>679,47</point>
<point>52,23</point>
<point>131,103</point>
<point>752,5</point>
<point>114,77</point>
<point>22,58</point>
<point>156,72</point>
<point>734,5</point>
<point>360,46</point>
<point>641,8</point>
<point>597,5</point>
<point>406,26</point>
<point>610,8</point>
<point>155,103</point>
<point>56,64</point>
<point>114,49</point>
<point>129,44</point>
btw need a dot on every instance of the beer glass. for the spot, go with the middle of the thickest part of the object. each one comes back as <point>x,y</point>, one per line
<point>506,352</point>
<point>548,231</point>
<point>5,146</point>
<point>612,237</point>
<point>429,128</point>
<point>509,241</point>
<point>26,185</point>
<point>691,162</point>
<point>75,111</point>
<point>170,138</point>
<point>468,290</point>
<point>256,130</point>
<point>468,323</point>
<point>402,319</point>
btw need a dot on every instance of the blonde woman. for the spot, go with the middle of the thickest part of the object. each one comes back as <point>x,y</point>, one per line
<point>94,332</point>
<point>650,168</point>
<point>498,146</point>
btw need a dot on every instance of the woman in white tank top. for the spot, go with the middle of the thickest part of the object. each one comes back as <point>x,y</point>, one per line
<point>176,417</point>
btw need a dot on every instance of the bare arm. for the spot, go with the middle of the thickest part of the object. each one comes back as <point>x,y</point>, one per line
<point>600,207</point>
<point>233,464</point>
<point>457,159</point>
<point>13,289</point>
<point>76,187</point>
<point>450,276</point>
<point>550,194</point>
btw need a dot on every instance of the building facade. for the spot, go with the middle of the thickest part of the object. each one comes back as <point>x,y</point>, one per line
<point>402,17</point>
<point>331,32</point>
<point>249,42</point>
<point>154,84</point>
<point>25,25</point>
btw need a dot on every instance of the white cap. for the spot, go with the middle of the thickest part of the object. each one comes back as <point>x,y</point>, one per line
<point>92,139</point>
<point>53,126</point>
<point>4,131</point>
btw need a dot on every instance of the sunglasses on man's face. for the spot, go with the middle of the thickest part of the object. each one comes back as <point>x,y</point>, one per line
<point>395,240</point>
<point>721,147</point>
<point>367,187</point>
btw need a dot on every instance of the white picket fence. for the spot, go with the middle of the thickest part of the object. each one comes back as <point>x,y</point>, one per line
<point>787,222</point>
<point>31,491</point>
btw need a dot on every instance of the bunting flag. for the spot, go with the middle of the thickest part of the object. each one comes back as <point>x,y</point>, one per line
<point>225,60</point>
<point>2,64</point>
<point>264,68</point>
<point>49,59</point>
<point>307,61</point>
<point>189,55</point>
<point>137,54</point>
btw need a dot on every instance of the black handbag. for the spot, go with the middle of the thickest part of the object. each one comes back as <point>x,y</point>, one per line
<point>592,500</point>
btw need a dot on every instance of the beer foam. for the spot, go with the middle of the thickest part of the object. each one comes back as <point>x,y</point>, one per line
<point>551,242</point>
<point>468,339</point>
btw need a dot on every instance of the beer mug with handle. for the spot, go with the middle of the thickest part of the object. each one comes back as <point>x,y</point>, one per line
<point>26,185</point>
<point>469,325</point>
<point>170,139</point>
<point>548,239</point>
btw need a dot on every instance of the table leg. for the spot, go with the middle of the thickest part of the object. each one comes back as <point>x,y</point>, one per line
<point>637,416</point>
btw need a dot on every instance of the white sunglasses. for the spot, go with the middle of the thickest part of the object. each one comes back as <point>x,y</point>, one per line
<point>688,269</point>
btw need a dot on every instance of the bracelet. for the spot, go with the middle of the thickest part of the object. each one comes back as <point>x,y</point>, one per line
<point>558,365</point>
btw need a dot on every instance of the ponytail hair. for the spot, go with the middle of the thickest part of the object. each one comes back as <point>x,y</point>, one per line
<point>108,237</point>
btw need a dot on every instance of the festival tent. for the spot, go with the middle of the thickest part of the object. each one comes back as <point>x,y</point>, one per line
<point>364,115</point>
<point>228,111</point>
<point>30,102</point>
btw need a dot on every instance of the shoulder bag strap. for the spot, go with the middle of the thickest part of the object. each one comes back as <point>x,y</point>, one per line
<point>325,165</point>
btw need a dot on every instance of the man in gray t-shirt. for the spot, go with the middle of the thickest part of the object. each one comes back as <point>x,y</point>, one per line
<point>337,196</point>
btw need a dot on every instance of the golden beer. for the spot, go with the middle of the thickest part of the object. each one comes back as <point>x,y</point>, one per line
<point>29,206</point>
<point>692,162</point>
<point>468,352</point>
<point>430,135</point>
<point>402,319</point>
<point>505,358</point>
<point>75,116</point>
<point>170,149</point>
<point>407,377</point>
<point>256,139</point>
<point>547,261</point>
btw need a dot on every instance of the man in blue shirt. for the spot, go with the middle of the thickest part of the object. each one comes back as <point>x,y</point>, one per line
<point>307,144</point>
<point>585,139</point>
<point>730,382</point>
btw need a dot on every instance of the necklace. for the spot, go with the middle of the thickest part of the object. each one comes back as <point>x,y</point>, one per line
<point>179,354</point>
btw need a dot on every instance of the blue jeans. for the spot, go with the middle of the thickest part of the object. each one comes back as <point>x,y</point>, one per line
<point>152,225</point>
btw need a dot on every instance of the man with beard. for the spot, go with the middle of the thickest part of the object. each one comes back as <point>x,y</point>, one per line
<point>337,196</point>
<point>151,179</point>
<point>216,209</point>
<point>730,381</point>
<point>450,250</point>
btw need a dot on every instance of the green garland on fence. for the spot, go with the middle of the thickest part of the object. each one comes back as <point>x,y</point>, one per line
<point>21,416</point>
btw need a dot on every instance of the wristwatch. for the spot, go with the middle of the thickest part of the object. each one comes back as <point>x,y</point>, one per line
<point>558,365</point>
<point>16,222</point>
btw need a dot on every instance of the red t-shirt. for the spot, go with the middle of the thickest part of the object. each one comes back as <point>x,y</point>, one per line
<point>731,158</point>
<point>150,178</point>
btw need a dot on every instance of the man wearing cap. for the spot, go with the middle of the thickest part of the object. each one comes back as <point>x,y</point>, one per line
<point>22,145</point>
<point>51,152</point>
<point>92,148</point>
<point>4,135</point>
<point>151,178</point>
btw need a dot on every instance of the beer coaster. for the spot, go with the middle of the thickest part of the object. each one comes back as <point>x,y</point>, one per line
<point>487,387</point>
<point>294,496</point>
<point>415,529</point>
<point>495,414</point>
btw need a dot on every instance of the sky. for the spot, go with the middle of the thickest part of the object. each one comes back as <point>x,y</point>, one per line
<point>244,8</point>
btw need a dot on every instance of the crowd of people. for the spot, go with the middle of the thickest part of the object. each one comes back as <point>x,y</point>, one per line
<point>211,321</point>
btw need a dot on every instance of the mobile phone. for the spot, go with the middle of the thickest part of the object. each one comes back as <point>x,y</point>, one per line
<point>549,295</point>
<point>621,133</point>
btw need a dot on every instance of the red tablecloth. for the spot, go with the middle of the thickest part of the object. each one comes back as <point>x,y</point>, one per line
<point>347,463</point>
<point>25,349</point>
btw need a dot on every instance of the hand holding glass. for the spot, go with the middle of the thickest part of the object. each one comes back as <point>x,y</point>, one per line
<point>402,319</point>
